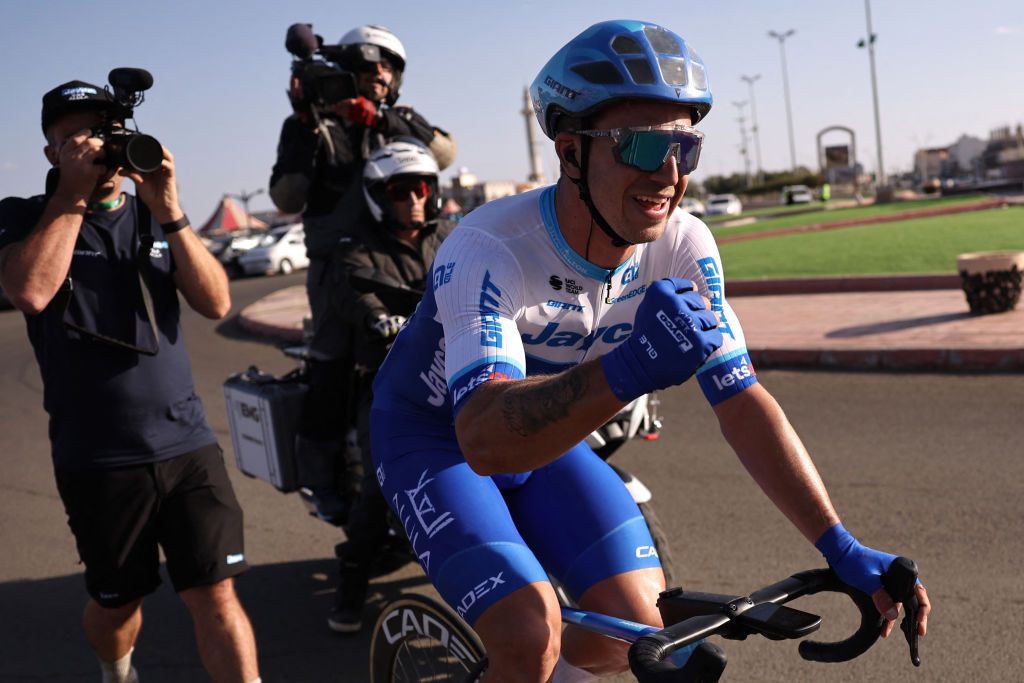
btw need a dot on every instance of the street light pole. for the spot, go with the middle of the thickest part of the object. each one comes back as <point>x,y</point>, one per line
<point>781,37</point>
<point>744,149</point>
<point>753,125</point>
<point>870,43</point>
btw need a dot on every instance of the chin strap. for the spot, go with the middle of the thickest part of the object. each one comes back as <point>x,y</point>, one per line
<point>584,188</point>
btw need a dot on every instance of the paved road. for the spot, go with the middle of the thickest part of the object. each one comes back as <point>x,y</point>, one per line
<point>928,465</point>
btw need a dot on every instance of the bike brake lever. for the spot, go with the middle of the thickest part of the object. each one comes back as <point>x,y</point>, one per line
<point>900,582</point>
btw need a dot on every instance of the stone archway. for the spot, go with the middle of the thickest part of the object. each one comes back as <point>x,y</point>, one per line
<point>853,150</point>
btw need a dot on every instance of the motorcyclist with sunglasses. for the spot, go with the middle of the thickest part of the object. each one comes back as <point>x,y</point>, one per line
<point>395,247</point>
<point>545,314</point>
<point>318,172</point>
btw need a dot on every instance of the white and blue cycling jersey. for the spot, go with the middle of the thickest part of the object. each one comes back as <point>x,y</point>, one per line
<point>509,297</point>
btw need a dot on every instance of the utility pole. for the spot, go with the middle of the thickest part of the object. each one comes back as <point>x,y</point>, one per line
<point>744,148</point>
<point>781,37</point>
<point>869,42</point>
<point>750,80</point>
<point>536,170</point>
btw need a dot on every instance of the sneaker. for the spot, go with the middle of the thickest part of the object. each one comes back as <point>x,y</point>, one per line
<point>347,614</point>
<point>342,620</point>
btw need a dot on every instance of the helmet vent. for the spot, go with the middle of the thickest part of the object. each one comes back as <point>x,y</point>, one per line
<point>600,73</point>
<point>640,70</point>
<point>625,45</point>
<point>673,70</point>
<point>700,78</point>
<point>662,41</point>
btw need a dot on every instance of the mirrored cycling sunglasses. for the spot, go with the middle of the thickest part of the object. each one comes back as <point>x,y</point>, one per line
<point>648,147</point>
<point>400,190</point>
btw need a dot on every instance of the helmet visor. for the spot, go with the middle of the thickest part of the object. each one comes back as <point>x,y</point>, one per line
<point>647,148</point>
<point>399,190</point>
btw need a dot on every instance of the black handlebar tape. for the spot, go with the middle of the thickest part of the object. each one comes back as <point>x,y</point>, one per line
<point>646,661</point>
<point>860,642</point>
<point>899,582</point>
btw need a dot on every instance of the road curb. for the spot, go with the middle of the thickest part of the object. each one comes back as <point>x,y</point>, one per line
<point>277,315</point>
<point>835,285</point>
<point>939,360</point>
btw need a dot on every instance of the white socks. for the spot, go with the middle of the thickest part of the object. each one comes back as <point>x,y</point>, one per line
<point>567,673</point>
<point>120,671</point>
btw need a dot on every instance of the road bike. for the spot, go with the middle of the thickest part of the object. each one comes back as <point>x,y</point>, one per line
<point>419,639</point>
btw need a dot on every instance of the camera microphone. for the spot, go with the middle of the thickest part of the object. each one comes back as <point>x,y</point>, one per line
<point>301,41</point>
<point>129,79</point>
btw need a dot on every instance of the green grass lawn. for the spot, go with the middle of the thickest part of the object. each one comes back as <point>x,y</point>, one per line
<point>923,245</point>
<point>833,215</point>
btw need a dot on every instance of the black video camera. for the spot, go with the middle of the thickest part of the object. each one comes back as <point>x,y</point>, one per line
<point>121,146</point>
<point>323,80</point>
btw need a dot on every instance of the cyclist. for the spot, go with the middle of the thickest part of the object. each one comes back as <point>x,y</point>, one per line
<point>546,313</point>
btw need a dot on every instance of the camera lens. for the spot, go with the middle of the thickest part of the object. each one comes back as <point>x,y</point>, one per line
<point>143,153</point>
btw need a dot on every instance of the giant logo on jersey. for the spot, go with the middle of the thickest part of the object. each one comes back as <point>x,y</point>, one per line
<point>564,305</point>
<point>716,292</point>
<point>552,336</point>
<point>490,321</point>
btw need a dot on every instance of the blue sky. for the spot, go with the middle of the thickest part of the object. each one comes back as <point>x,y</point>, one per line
<point>944,68</point>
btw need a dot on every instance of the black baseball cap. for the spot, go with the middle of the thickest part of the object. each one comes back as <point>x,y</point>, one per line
<point>73,96</point>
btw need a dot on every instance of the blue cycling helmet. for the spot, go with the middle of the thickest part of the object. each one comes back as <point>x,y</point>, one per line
<point>615,60</point>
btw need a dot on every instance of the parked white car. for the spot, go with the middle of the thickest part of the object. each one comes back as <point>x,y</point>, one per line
<point>281,250</point>
<point>796,194</point>
<point>728,204</point>
<point>694,207</point>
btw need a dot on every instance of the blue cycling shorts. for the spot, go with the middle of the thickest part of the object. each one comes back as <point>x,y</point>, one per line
<point>481,538</point>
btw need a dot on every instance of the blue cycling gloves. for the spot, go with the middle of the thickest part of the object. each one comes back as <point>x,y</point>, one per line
<point>857,565</point>
<point>673,334</point>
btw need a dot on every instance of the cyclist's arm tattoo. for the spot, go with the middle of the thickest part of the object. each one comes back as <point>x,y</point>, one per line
<point>530,410</point>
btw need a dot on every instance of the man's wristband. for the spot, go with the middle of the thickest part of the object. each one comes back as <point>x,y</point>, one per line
<point>175,226</point>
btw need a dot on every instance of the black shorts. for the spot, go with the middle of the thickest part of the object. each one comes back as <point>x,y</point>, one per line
<point>121,517</point>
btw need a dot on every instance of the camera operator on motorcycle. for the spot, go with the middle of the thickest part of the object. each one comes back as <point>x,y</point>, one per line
<point>318,172</point>
<point>387,262</point>
<point>545,314</point>
<point>97,273</point>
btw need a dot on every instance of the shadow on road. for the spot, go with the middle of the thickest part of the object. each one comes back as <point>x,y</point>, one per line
<point>41,638</point>
<point>894,325</point>
<point>232,329</point>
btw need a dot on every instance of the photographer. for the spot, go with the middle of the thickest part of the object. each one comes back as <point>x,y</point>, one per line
<point>387,263</point>
<point>97,273</point>
<point>323,146</point>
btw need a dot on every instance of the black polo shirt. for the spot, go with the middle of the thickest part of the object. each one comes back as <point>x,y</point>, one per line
<point>110,406</point>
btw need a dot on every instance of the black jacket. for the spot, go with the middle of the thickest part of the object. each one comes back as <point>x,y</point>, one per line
<point>318,170</point>
<point>375,247</point>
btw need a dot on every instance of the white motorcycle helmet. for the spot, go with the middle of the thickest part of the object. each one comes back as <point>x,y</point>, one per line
<point>365,45</point>
<point>403,157</point>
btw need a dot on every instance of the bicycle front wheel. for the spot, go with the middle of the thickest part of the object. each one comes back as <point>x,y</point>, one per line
<point>417,639</point>
<point>660,544</point>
